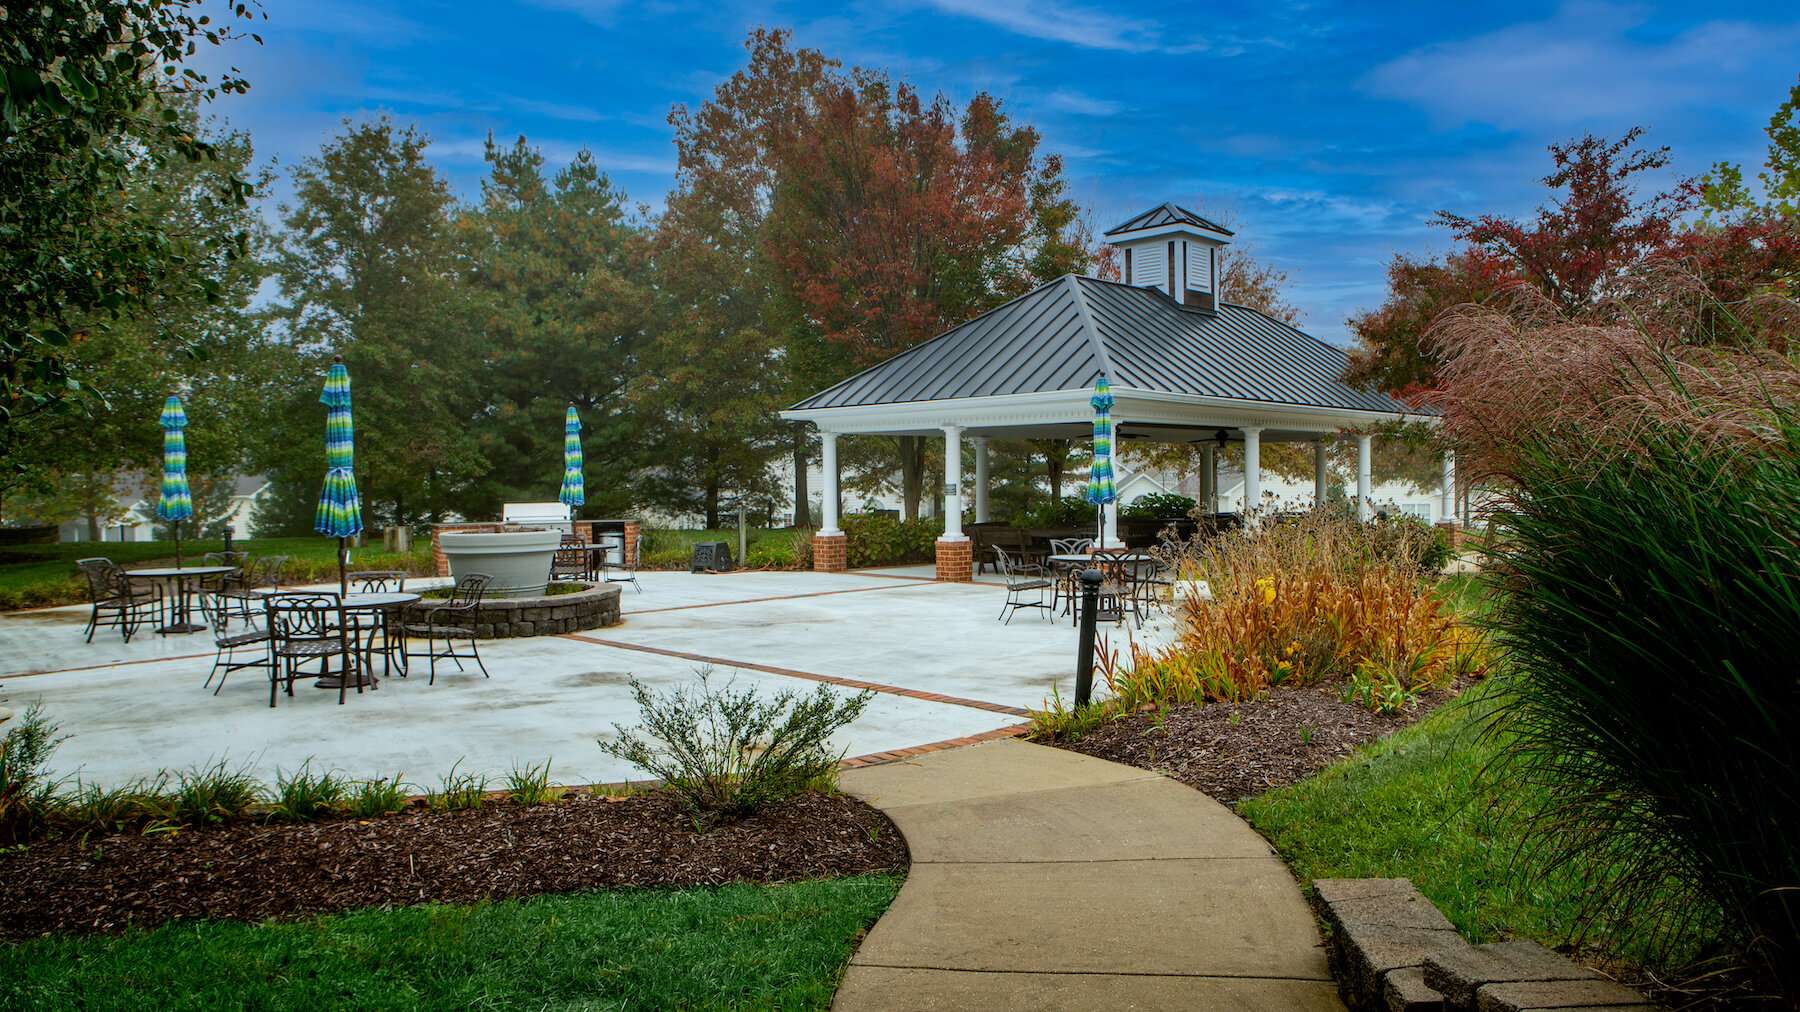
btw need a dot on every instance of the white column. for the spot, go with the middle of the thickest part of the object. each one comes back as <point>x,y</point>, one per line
<point>953,484</point>
<point>1320,487</point>
<point>1212,480</point>
<point>1252,468</point>
<point>1364,468</point>
<point>981,479</point>
<point>829,464</point>
<point>1447,511</point>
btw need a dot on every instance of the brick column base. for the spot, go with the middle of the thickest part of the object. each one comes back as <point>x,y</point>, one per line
<point>831,553</point>
<point>955,561</point>
<point>632,529</point>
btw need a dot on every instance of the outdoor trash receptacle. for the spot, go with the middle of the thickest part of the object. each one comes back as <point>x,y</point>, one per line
<point>711,557</point>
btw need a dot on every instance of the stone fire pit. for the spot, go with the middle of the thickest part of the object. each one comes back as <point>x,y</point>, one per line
<point>594,606</point>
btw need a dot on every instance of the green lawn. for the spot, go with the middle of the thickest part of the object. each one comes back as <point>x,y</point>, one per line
<point>39,575</point>
<point>668,548</point>
<point>736,947</point>
<point>1416,805</point>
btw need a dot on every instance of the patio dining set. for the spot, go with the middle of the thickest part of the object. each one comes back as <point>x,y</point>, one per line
<point>256,623</point>
<point>1131,585</point>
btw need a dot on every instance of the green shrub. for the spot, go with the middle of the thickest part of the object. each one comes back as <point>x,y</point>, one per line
<point>1069,511</point>
<point>531,785</point>
<point>306,796</point>
<point>207,795</point>
<point>729,751</point>
<point>103,811</point>
<point>370,798</point>
<point>874,539</point>
<point>1651,609</point>
<point>781,550</point>
<point>27,794</point>
<point>458,790</point>
<point>1157,506</point>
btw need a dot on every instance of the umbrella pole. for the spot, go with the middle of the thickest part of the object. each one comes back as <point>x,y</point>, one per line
<point>175,525</point>
<point>343,578</point>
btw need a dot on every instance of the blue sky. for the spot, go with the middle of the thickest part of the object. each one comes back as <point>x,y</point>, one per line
<point>1327,133</point>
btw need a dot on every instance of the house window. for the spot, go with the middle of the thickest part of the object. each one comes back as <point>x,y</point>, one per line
<point>1128,267</point>
<point>1417,509</point>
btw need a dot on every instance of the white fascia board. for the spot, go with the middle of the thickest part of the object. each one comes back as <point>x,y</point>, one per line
<point>1173,228</point>
<point>1061,406</point>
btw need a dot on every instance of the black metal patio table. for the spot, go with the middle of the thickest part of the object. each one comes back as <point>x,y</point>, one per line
<point>378,606</point>
<point>180,614</point>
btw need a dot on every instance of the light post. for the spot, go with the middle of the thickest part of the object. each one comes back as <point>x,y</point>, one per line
<point>1084,657</point>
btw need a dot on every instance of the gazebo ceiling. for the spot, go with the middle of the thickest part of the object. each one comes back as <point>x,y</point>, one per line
<point>1025,368</point>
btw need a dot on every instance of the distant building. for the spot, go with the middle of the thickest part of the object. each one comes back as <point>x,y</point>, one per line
<point>137,519</point>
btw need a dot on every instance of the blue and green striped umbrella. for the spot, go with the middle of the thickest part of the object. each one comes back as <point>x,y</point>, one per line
<point>176,503</point>
<point>1100,490</point>
<point>340,514</point>
<point>574,487</point>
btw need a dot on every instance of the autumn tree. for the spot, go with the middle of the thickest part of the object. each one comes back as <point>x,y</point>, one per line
<point>897,217</point>
<point>714,276</point>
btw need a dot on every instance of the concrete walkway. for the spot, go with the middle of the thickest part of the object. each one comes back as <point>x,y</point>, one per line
<point>1045,879</point>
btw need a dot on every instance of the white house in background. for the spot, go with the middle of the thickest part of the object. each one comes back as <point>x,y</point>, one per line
<point>137,515</point>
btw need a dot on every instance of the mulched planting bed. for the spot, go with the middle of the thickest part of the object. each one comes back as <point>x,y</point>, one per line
<point>256,872</point>
<point>1264,749</point>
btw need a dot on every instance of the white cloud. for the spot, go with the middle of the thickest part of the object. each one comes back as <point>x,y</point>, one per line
<point>1061,22</point>
<point>1580,66</point>
<point>1082,105</point>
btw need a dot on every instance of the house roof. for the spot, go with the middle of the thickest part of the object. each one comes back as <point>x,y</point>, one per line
<point>1063,335</point>
<point>1167,214</point>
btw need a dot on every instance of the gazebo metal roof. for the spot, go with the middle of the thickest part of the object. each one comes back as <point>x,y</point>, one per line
<point>1168,214</point>
<point>1061,336</point>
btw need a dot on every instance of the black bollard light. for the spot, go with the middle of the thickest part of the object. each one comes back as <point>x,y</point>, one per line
<point>1084,659</point>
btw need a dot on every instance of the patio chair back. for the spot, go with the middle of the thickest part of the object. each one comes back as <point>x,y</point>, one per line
<point>569,563</point>
<point>467,594</point>
<point>302,615</point>
<point>1013,569</point>
<point>1071,546</point>
<point>104,579</point>
<point>378,581</point>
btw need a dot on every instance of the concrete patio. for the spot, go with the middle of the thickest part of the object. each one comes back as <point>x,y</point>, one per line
<point>943,666</point>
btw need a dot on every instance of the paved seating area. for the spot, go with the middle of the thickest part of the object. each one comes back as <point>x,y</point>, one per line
<point>944,667</point>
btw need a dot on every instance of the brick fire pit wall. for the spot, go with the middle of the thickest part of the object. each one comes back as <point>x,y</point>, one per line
<point>510,618</point>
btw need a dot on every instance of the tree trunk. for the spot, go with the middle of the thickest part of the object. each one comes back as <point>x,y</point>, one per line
<point>912,466</point>
<point>712,495</point>
<point>802,508</point>
<point>1054,464</point>
<point>93,527</point>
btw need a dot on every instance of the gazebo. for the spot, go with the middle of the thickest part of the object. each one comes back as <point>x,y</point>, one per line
<point>1185,366</point>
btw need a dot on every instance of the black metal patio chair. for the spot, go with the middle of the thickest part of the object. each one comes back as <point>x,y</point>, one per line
<point>447,624</point>
<point>229,646</point>
<point>117,602</point>
<point>1021,579</point>
<point>627,564</point>
<point>309,626</point>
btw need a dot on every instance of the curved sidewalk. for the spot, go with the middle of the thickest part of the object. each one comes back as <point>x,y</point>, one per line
<point>1045,879</point>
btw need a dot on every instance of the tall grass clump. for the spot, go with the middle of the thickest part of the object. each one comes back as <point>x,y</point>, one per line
<point>27,793</point>
<point>1648,566</point>
<point>1301,601</point>
<point>731,752</point>
<point>305,796</point>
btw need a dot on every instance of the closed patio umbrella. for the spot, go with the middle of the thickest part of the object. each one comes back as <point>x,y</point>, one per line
<point>340,514</point>
<point>574,488</point>
<point>1100,489</point>
<point>176,503</point>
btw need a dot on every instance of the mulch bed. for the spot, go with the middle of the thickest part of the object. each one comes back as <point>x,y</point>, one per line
<point>254,872</point>
<point>1264,749</point>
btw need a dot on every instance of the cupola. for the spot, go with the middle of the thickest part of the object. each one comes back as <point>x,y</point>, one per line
<point>1175,251</point>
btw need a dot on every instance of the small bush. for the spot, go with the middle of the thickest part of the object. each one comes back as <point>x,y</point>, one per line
<point>877,540</point>
<point>103,811</point>
<point>1158,506</point>
<point>1069,511</point>
<point>208,795</point>
<point>27,795</point>
<point>531,785</point>
<point>458,791</point>
<point>1300,601</point>
<point>730,752</point>
<point>306,796</point>
<point>370,798</point>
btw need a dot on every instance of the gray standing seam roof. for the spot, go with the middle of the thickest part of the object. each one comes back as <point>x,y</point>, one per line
<point>1062,335</point>
<point>1168,214</point>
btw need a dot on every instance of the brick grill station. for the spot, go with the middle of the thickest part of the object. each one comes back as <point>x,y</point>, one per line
<point>509,618</point>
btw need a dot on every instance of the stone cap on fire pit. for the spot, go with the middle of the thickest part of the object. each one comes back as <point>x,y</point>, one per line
<point>506,618</point>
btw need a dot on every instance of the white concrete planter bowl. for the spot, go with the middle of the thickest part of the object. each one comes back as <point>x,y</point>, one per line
<point>518,561</point>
